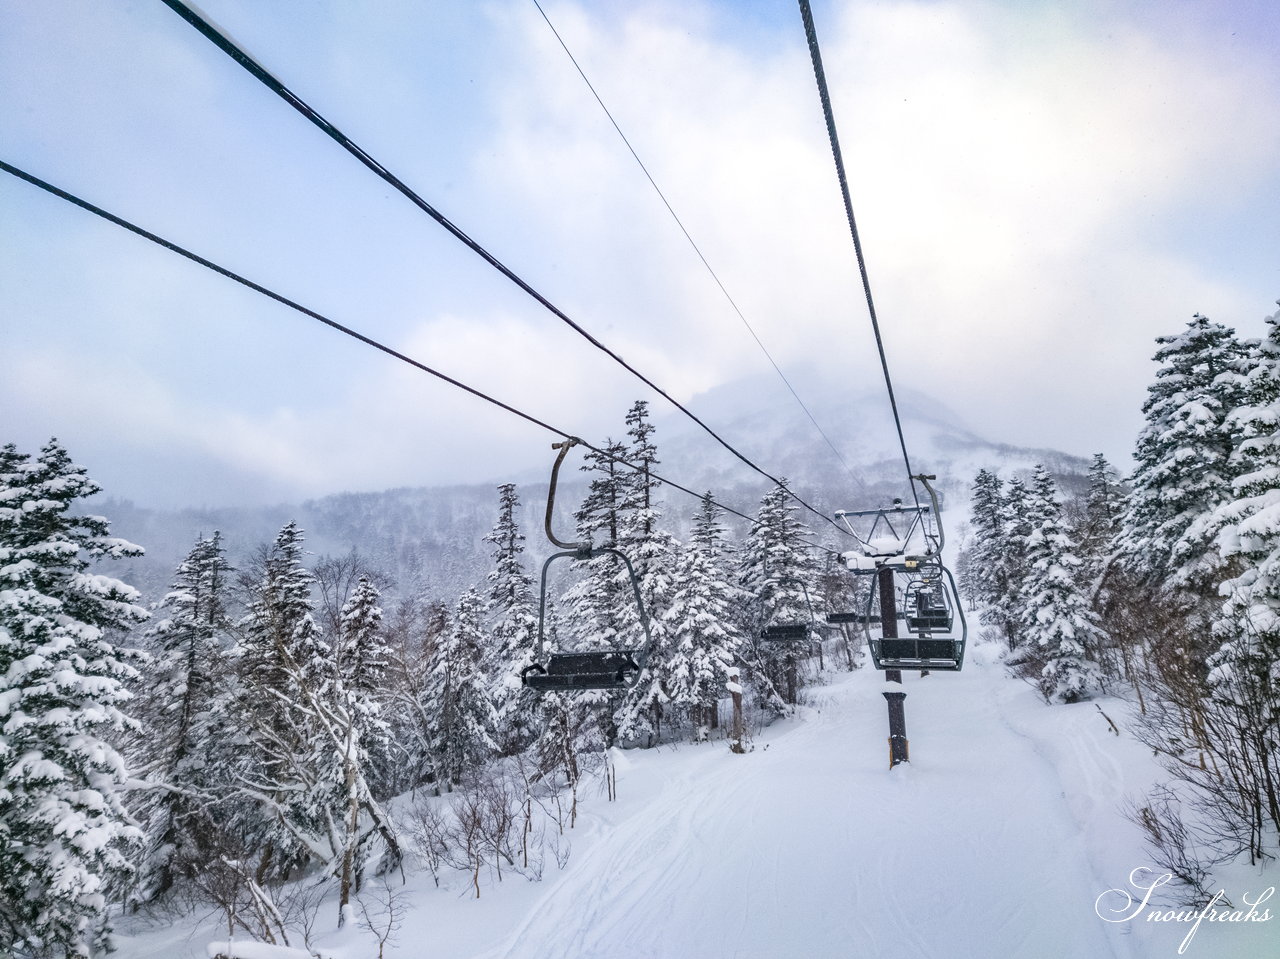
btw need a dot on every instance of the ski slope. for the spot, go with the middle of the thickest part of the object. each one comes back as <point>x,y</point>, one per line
<point>997,840</point>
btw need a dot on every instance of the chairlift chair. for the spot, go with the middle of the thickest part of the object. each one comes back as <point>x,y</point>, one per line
<point>566,671</point>
<point>791,632</point>
<point>927,607</point>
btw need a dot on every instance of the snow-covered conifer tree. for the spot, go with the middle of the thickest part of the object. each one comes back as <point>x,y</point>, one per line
<point>594,603</point>
<point>704,636</point>
<point>1244,677</point>
<point>1017,526</point>
<point>64,831</point>
<point>363,660</point>
<point>1103,510</point>
<point>775,570</point>
<point>513,627</point>
<point>1060,631</point>
<point>653,553</point>
<point>354,726</point>
<point>1184,461</point>
<point>284,662</point>
<point>187,697</point>
<point>985,576</point>
<point>457,695</point>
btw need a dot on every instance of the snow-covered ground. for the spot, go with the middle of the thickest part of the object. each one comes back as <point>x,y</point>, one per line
<point>1001,838</point>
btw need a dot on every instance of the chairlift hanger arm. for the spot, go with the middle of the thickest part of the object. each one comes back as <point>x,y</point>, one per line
<point>564,448</point>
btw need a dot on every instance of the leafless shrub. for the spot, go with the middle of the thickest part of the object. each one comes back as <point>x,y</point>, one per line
<point>246,905</point>
<point>497,822</point>
<point>382,913</point>
<point>1174,847</point>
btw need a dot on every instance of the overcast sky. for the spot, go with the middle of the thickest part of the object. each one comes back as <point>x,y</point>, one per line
<point>1041,187</point>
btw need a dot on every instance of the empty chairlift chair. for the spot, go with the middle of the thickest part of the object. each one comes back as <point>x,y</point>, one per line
<point>931,642</point>
<point>592,669</point>
<point>793,631</point>
<point>569,670</point>
<point>926,606</point>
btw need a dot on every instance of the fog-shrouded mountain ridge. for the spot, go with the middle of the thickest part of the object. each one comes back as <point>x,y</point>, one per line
<point>429,540</point>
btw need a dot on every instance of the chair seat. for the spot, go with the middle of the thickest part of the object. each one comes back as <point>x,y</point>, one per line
<point>612,669</point>
<point>912,653</point>
<point>786,632</point>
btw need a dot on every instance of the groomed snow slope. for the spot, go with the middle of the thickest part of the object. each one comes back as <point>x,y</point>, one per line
<point>997,840</point>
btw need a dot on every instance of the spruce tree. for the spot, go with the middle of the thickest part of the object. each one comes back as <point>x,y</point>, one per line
<point>284,663</point>
<point>775,570</point>
<point>653,553</point>
<point>704,637</point>
<point>457,695</point>
<point>352,717</point>
<point>1060,631</point>
<point>187,699</point>
<point>1015,530</point>
<point>595,601</point>
<point>364,658</point>
<point>513,626</point>
<point>65,835</point>
<point>985,580</point>
<point>1104,508</point>
<point>1244,676</point>
<point>1184,461</point>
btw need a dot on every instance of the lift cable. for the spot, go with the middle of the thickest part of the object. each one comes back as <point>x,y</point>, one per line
<point>261,74</point>
<point>823,94</point>
<point>354,334</point>
<point>665,202</point>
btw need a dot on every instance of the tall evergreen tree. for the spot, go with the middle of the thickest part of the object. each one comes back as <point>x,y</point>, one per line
<point>188,713</point>
<point>1011,562</point>
<point>596,600</point>
<point>705,640</point>
<point>1184,461</point>
<point>513,627</point>
<point>457,695</point>
<point>775,570</point>
<point>986,578</point>
<point>355,727</point>
<point>653,553</point>
<point>64,832</point>
<point>1103,510</point>
<point>1244,676</point>
<point>285,662</point>
<point>1060,630</point>
<point>363,661</point>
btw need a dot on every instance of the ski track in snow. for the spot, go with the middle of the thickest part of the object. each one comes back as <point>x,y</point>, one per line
<point>813,848</point>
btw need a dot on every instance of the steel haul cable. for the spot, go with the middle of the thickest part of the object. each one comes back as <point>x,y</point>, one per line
<point>820,76</point>
<point>263,76</point>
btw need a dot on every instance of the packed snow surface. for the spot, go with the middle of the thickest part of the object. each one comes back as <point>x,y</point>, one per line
<point>1004,836</point>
